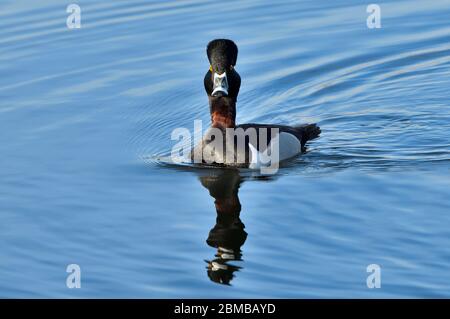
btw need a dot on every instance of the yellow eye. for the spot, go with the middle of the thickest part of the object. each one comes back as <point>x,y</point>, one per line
<point>210,68</point>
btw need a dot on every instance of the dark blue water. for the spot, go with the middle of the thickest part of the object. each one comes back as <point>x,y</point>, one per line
<point>84,114</point>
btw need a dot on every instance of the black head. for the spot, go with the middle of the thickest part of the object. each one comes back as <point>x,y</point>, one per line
<point>222,79</point>
<point>222,55</point>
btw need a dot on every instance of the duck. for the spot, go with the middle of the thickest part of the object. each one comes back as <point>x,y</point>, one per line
<point>260,142</point>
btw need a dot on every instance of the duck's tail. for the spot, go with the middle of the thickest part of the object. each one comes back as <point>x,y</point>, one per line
<point>309,132</point>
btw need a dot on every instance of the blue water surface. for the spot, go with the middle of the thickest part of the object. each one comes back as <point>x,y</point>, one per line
<point>86,113</point>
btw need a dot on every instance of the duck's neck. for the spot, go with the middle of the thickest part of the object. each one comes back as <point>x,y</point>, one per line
<point>223,112</point>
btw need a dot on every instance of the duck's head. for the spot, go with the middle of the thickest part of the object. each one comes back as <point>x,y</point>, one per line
<point>222,82</point>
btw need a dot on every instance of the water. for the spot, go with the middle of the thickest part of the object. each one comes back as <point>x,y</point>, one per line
<point>84,113</point>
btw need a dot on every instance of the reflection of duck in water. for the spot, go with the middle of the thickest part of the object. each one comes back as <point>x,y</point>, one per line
<point>228,235</point>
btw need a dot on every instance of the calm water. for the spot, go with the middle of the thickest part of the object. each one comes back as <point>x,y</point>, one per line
<point>84,113</point>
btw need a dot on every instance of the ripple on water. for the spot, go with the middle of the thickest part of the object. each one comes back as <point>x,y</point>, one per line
<point>372,188</point>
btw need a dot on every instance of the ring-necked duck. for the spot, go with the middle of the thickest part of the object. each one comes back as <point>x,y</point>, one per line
<point>222,84</point>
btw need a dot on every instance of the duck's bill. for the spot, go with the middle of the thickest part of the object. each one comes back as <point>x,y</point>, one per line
<point>220,87</point>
